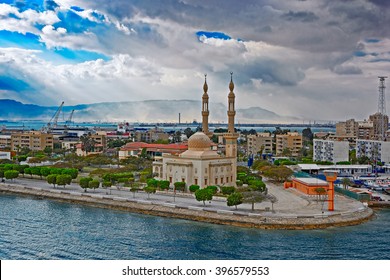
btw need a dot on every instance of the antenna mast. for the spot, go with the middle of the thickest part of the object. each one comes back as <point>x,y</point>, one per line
<point>382,109</point>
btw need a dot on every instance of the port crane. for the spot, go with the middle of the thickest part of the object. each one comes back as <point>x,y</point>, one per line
<point>54,119</point>
<point>69,120</point>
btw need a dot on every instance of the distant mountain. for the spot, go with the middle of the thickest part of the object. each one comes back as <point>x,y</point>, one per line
<point>137,111</point>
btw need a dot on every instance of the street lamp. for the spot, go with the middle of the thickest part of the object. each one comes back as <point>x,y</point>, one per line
<point>174,187</point>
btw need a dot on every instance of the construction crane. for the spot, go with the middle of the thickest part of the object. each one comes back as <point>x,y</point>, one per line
<point>69,120</point>
<point>54,119</point>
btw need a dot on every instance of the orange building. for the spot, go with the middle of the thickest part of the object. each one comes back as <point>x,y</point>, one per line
<point>309,185</point>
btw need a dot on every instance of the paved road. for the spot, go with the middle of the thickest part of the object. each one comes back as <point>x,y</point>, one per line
<point>290,202</point>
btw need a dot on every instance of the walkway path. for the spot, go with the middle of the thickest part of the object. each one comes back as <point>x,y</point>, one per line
<point>291,203</point>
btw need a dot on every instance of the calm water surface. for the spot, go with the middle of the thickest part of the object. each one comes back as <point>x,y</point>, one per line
<point>44,229</point>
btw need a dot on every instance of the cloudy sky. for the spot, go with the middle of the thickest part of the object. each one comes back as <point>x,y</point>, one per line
<point>317,59</point>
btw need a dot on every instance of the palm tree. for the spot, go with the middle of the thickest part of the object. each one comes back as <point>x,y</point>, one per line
<point>87,143</point>
<point>346,182</point>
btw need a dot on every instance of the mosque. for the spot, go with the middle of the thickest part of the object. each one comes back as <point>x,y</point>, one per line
<point>200,165</point>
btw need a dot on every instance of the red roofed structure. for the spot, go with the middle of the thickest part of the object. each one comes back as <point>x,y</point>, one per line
<point>135,149</point>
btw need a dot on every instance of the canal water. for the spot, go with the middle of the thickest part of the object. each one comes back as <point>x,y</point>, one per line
<point>42,229</point>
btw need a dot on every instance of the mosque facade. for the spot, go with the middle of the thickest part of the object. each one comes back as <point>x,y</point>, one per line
<point>200,165</point>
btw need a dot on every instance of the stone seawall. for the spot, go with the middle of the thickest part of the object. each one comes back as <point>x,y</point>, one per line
<point>195,213</point>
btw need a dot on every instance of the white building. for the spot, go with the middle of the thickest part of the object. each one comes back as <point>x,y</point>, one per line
<point>351,170</point>
<point>200,164</point>
<point>259,142</point>
<point>373,149</point>
<point>5,155</point>
<point>333,151</point>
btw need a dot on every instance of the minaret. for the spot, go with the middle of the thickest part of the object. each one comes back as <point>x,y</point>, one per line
<point>231,136</point>
<point>205,108</point>
<point>231,112</point>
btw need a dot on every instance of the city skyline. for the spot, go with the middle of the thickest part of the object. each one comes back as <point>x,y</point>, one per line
<point>310,59</point>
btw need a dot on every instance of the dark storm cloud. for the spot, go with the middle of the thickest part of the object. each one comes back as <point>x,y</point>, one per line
<point>270,72</point>
<point>347,70</point>
<point>300,16</point>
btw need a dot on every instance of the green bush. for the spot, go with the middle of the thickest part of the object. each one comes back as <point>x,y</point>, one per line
<point>11,174</point>
<point>257,185</point>
<point>180,186</point>
<point>84,182</point>
<point>204,195</point>
<point>213,189</point>
<point>73,172</point>
<point>45,171</point>
<point>52,179</point>
<point>63,180</point>
<point>235,199</point>
<point>228,190</point>
<point>55,170</point>
<point>152,183</point>
<point>94,184</point>
<point>106,184</point>
<point>163,185</point>
<point>193,188</point>
<point>149,190</point>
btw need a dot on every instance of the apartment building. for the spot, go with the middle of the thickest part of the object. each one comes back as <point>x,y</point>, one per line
<point>376,119</point>
<point>5,141</point>
<point>333,151</point>
<point>33,140</point>
<point>151,135</point>
<point>291,141</point>
<point>366,130</point>
<point>259,142</point>
<point>373,149</point>
<point>347,130</point>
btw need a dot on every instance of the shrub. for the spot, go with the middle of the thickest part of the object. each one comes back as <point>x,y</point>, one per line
<point>234,199</point>
<point>228,190</point>
<point>45,171</point>
<point>55,170</point>
<point>106,184</point>
<point>193,188</point>
<point>94,184</point>
<point>149,190</point>
<point>11,174</point>
<point>180,186</point>
<point>203,195</point>
<point>52,179</point>
<point>73,172</point>
<point>84,182</point>
<point>163,185</point>
<point>63,180</point>
<point>257,185</point>
<point>152,183</point>
<point>213,189</point>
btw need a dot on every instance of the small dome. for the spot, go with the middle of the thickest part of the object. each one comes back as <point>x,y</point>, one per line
<point>199,141</point>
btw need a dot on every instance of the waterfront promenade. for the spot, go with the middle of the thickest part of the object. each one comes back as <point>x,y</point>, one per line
<point>293,209</point>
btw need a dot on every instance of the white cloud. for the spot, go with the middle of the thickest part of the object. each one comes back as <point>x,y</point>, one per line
<point>59,38</point>
<point>26,21</point>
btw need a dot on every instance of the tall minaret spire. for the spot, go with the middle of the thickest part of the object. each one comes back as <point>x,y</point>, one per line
<point>231,110</point>
<point>231,136</point>
<point>205,107</point>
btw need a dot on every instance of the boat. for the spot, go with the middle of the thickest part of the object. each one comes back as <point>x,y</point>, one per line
<point>386,190</point>
<point>373,185</point>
